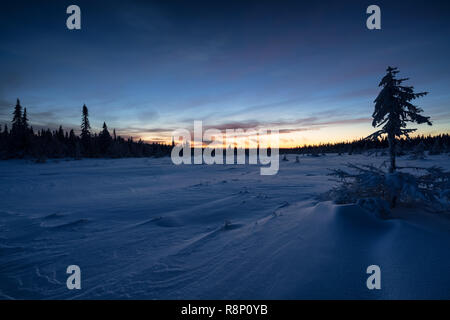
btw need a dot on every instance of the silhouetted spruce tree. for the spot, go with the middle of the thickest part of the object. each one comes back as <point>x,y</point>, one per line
<point>393,110</point>
<point>17,119</point>
<point>104,140</point>
<point>85,126</point>
<point>85,130</point>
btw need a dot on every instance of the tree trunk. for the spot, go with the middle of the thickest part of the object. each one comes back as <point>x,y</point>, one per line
<point>391,140</point>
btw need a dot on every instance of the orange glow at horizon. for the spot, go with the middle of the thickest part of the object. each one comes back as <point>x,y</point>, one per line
<point>308,137</point>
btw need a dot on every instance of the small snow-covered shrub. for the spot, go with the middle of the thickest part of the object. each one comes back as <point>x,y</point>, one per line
<point>431,189</point>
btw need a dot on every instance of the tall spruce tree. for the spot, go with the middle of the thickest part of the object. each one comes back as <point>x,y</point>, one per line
<point>17,118</point>
<point>85,126</point>
<point>85,135</point>
<point>393,109</point>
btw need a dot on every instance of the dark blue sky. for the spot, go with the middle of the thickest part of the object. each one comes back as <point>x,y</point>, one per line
<point>310,69</point>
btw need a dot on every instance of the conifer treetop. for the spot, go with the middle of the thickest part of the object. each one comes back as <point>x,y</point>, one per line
<point>394,107</point>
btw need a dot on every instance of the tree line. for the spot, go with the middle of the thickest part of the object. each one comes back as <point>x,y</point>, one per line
<point>22,141</point>
<point>433,144</point>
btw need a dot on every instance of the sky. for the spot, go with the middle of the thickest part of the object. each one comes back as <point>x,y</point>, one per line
<point>307,68</point>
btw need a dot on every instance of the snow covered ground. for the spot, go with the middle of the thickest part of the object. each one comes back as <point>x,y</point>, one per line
<point>147,229</point>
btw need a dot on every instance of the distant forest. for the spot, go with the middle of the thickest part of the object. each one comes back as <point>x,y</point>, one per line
<point>433,144</point>
<point>21,141</point>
